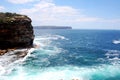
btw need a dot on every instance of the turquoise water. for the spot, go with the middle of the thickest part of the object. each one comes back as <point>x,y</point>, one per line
<point>67,55</point>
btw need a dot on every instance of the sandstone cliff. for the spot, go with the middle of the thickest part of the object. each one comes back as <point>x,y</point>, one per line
<point>16,31</point>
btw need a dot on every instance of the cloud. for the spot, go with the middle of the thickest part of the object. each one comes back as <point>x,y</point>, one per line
<point>2,8</point>
<point>26,1</point>
<point>110,20</point>
<point>48,13</point>
<point>20,1</point>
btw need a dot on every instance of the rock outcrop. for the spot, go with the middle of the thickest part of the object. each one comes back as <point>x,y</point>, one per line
<point>16,31</point>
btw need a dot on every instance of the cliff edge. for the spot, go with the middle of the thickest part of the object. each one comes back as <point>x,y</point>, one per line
<point>16,31</point>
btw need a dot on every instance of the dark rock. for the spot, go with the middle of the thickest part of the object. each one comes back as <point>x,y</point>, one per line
<point>16,31</point>
<point>20,54</point>
<point>12,55</point>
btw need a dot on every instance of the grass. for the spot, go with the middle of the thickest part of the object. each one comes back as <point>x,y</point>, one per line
<point>10,17</point>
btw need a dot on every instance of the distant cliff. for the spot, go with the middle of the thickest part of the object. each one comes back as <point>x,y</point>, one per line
<point>52,27</point>
<point>16,31</point>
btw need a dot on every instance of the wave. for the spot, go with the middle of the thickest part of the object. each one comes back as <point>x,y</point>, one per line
<point>29,67</point>
<point>116,41</point>
<point>10,60</point>
<point>46,40</point>
<point>103,72</point>
<point>113,56</point>
<point>47,45</point>
<point>80,73</point>
<point>50,37</point>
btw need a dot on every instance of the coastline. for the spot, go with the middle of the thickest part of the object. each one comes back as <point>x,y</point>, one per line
<point>52,27</point>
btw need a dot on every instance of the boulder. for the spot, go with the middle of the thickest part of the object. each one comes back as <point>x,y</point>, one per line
<point>16,31</point>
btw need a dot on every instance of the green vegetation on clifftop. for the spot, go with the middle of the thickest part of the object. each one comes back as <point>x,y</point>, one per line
<point>10,17</point>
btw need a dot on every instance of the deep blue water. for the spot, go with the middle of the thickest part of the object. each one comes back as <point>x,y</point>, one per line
<point>70,54</point>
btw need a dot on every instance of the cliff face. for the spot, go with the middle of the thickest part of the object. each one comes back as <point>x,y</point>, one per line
<point>16,31</point>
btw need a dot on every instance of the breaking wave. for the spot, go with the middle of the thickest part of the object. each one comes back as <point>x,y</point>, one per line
<point>113,56</point>
<point>46,63</point>
<point>10,62</point>
<point>116,41</point>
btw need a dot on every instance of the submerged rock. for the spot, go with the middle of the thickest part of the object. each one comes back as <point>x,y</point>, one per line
<point>16,31</point>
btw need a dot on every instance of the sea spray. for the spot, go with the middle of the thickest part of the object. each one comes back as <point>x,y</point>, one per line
<point>9,60</point>
<point>68,73</point>
<point>116,41</point>
<point>55,60</point>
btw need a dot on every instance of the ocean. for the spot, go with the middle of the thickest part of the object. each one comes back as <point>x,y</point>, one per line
<point>67,55</point>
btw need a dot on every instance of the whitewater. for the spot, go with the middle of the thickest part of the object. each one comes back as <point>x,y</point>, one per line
<point>66,55</point>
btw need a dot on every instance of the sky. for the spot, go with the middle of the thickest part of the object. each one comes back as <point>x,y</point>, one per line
<point>79,14</point>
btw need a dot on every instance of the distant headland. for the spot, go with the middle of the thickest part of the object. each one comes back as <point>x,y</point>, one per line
<point>52,27</point>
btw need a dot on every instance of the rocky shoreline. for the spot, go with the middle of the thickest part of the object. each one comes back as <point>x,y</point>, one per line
<point>19,53</point>
<point>16,32</point>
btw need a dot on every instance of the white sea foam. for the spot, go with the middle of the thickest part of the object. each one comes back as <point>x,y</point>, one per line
<point>112,53</point>
<point>46,46</point>
<point>9,61</point>
<point>116,41</point>
<point>113,56</point>
<point>50,37</point>
<point>67,73</point>
<point>46,39</point>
